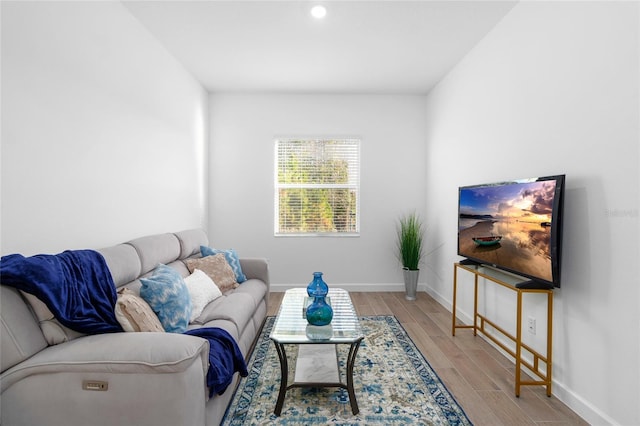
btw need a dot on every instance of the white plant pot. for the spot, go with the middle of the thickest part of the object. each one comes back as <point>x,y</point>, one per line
<point>410,283</point>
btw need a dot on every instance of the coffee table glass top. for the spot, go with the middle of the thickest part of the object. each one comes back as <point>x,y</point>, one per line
<point>291,327</point>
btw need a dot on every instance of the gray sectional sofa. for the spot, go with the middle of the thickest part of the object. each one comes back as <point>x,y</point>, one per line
<point>52,375</point>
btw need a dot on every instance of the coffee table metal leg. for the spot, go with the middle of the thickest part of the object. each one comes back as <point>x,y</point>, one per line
<point>284,374</point>
<point>351,360</point>
<point>284,379</point>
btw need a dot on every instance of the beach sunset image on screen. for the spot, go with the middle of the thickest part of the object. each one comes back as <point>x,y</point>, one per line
<point>509,225</point>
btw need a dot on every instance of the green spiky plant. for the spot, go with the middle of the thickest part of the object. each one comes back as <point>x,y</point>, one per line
<point>410,241</point>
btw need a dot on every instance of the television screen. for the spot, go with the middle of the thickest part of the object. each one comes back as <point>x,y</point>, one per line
<point>515,226</point>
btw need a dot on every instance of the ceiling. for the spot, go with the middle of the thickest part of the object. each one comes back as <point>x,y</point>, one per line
<point>378,47</point>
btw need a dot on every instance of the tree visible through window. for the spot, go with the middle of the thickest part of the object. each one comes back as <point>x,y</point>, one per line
<point>317,187</point>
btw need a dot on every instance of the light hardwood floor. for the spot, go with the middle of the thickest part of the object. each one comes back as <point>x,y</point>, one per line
<point>480,378</point>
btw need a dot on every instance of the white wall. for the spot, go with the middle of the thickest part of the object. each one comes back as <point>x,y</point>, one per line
<point>243,130</point>
<point>554,89</point>
<point>104,139</point>
<point>103,132</point>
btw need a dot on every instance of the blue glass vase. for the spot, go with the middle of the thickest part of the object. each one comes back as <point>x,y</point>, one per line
<point>319,312</point>
<point>317,287</point>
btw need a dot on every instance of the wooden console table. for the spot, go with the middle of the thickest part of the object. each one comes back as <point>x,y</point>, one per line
<point>480,321</point>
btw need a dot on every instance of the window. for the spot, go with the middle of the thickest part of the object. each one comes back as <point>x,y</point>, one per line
<point>317,187</point>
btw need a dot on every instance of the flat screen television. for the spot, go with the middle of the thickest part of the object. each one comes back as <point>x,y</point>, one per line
<point>515,226</point>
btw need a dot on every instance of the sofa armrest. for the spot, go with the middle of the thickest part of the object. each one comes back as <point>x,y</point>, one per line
<point>256,267</point>
<point>146,379</point>
<point>116,353</point>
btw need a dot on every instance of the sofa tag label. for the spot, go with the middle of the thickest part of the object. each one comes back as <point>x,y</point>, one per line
<point>95,385</point>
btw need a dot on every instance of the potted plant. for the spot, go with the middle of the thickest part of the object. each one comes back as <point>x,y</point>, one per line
<point>410,251</point>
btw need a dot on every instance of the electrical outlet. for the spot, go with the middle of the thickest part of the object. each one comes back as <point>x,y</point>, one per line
<point>531,325</point>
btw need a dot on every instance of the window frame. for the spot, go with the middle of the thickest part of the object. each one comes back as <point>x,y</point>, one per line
<point>350,186</point>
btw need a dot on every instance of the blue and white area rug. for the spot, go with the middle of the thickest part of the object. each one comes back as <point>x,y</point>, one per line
<point>394,385</point>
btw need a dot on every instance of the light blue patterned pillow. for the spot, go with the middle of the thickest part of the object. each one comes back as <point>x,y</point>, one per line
<point>232,259</point>
<point>168,296</point>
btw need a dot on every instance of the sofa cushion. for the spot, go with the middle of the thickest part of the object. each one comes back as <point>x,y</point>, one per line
<point>180,266</point>
<point>21,337</point>
<point>134,314</point>
<point>235,307</point>
<point>224,324</point>
<point>123,262</point>
<point>217,268</point>
<point>202,291</point>
<point>190,241</point>
<point>54,332</point>
<point>155,249</point>
<point>167,294</point>
<point>257,289</point>
<point>232,259</point>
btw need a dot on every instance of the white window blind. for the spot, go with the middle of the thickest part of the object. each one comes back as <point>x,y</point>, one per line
<point>317,187</point>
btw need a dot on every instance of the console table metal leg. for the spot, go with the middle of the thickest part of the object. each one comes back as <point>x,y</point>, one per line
<point>284,377</point>
<point>455,294</point>
<point>549,364</point>
<point>518,343</point>
<point>351,360</point>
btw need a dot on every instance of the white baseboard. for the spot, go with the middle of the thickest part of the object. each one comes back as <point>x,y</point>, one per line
<point>355,287</point>
<point>584,409</point>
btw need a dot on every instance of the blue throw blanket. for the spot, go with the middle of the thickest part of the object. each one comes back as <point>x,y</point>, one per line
<point>78,289</point>
<point>76,286</point>
<point>225,358</point>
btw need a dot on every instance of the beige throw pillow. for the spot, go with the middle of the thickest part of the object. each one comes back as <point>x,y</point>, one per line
<point>134,314</point>
<point>217,268</point>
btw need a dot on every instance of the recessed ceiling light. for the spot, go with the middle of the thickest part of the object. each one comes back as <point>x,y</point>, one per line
<point>318,11</point>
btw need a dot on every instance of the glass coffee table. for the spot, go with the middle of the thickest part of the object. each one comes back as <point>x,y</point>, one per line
<point>317,363</point>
